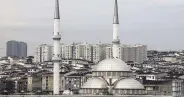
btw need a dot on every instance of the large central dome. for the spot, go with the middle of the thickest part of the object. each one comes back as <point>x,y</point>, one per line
<point>112,65</point>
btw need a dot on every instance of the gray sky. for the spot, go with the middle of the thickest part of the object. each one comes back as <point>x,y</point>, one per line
<point>157,23</point>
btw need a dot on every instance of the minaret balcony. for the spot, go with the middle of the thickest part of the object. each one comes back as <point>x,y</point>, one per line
<point>56,37</point>
<point>56,58</point>
<point>116,41</point>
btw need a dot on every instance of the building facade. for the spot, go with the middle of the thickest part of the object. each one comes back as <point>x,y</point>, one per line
<point>16,49</point>
<point>93,52</point>
<point>47,83</point>
<point>34,83</point>
<point>88,52</point>
<point>136,53</point>
<point>79,51</point>
<point>99,52</point>
<point>43,53</point>
<point>22,49</point>
<point>67,51</point>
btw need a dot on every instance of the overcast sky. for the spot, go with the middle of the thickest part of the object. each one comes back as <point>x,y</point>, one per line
<point>157,23</point>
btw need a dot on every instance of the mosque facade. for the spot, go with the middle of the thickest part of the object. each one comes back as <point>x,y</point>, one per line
<point>113,76</point>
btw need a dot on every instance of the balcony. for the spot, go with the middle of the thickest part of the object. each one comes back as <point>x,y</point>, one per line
<point>56,37</point>
<point>116,41</point>
<point>56,58</point>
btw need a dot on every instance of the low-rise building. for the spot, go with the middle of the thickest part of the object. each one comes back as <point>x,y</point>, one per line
<point>47,83</point>
<point>22,85</point>
<point>170,58</point>
<point>75,79</point>
<point>152,76</point>
<point>34,83</point>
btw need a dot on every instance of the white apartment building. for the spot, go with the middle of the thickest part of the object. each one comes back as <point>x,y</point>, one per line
<point>110,55</point>
<point>85,51</point>
<point>99,52</point>
<point>88,52</point>
<point>136,53</point>
<point>63,51</point>
<point>109,52</point>
<point>73,51</point>
<point>43,53</point>
<point>67,51</point>
<point>79,51</point>
<point>95,53</point>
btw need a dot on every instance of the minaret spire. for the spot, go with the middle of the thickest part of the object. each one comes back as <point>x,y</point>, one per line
<point>57,54</point>
<point>116,17</point>
<point>56,13</point>
<point>115,41</point>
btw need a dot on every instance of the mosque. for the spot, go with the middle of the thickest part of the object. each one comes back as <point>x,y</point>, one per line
<point>110,76</point>
<point>113,76</point>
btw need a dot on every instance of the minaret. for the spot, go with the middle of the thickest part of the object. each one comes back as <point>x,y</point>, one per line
<point>116,40</point>
<point>57,55</point>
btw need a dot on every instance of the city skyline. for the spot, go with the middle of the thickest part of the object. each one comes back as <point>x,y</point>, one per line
<point>140,20</point>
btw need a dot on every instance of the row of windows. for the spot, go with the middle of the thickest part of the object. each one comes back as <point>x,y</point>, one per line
<point>128,92</point>
<point>125,74</point>
<point>115,92</point>
<point>92,91</point>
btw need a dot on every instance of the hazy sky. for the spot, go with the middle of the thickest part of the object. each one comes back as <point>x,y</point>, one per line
<point>157,23</point>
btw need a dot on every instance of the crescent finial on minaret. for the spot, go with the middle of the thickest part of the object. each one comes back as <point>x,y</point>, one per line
<point>56,13</point>
<point>116,18</point>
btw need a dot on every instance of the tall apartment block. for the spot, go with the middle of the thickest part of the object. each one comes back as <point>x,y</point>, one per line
<point>136,53</point>
<point>43,53</point>
<point>16,49</point>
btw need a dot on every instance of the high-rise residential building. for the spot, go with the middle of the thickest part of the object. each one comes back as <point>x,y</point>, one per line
<point>109,53</point>
<point>136,53</point>
<point>43,53</point>
<point>79,51</point>
<point>12,48</point>
<point>16,49</point>
<point>22,49</point>
<point>62,51</point>
<point>67,51</point>
<point>73,51</point>
<point>85,51</point>
<point>99,52</point>
<point>88,52</point>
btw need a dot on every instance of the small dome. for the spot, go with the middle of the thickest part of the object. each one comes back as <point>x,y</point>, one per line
<point>95,83</point>
<point>112,65</point>
<point>129,83</point>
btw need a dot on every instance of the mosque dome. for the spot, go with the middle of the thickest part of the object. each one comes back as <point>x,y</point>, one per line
<point>128,83</point>
<point>112,65</point>
<point>95,83</point>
